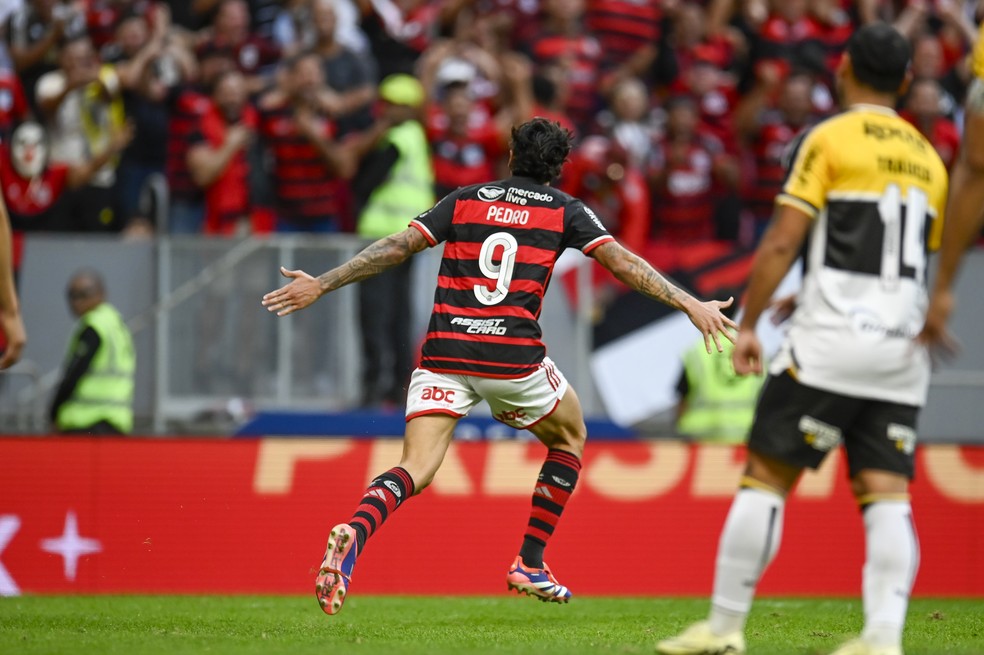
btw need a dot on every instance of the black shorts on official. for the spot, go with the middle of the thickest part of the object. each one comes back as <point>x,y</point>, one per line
<point>799,425</point>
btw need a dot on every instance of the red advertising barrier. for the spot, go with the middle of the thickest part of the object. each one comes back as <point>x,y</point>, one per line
<point>228,516</point>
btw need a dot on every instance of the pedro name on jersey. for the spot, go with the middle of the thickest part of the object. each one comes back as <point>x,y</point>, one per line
<point>502,240</point>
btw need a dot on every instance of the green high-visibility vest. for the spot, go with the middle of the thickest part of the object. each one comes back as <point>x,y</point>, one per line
<point>105,392</point>
<point>408,189</point>
<point>720,403</point>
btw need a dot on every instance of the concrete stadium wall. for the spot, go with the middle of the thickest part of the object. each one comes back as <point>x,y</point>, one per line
<point>955,410</point>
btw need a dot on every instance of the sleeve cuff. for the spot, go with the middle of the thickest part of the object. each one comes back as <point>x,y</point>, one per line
<point>798,203</point>
<point>423,230</point>
<point>594,243</point>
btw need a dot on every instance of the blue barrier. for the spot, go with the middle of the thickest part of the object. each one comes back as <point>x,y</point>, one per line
<point>391,424</point>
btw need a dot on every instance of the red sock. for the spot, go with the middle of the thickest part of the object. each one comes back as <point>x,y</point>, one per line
<point>554,487</point>
<point>384,495</point>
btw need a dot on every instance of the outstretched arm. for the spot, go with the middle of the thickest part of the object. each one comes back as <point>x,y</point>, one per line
<point>10,316</point>
<point>636,272</point>
<point>962,222</point>
<point>777,251</point>
<point>304,289</point>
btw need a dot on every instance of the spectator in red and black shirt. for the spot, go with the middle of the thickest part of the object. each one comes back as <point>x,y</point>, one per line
<point>484,340</point>
<point>716,97</point>
<point>629,33</point>
<point>687,171</point>
<point>187,104</point>
<point>217,157</point>
<point>769,117</point>
<point>102,17</point>
<point>788,34</point>
<point>928,61</point>
<point>255,57</point>
<point>308,163</point>
<point>565,43</point>
<point>35,187</point>
<point>466,144</point>
<point>602,173</point>
<point>691,39</point>
<point>923,109</point>
<point>399,31</point>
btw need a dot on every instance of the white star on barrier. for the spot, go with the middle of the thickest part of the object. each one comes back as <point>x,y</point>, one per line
<point>71,545</point>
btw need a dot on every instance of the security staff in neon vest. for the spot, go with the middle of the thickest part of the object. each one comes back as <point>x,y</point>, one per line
<point>95,395</point>
<point>395,180</point>
<point>715,404</point>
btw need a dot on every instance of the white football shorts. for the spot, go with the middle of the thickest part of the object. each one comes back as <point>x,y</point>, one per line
<point>517,402</point>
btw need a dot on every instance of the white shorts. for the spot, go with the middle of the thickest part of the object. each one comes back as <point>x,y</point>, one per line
<point>517,402</point>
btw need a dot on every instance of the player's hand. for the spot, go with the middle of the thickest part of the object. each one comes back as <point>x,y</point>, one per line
<point>300,292</point>
<point>935,334</point>
<point>747,356</point>
<point>707,317</point>
<point>12,326</point>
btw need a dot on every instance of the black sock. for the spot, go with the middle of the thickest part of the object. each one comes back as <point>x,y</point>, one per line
<point>532,552</point>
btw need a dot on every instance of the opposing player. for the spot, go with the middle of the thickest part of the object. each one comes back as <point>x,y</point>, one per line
<point>867,191</point>
<point>965,208</point>
<point>484,342</point>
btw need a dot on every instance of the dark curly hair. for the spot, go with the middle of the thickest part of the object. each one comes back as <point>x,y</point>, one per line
<point>539,149</point>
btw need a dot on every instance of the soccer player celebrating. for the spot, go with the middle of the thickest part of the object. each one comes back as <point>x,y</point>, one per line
<point>484,341</point>
<point>965,208</point>
<point>868,191</point>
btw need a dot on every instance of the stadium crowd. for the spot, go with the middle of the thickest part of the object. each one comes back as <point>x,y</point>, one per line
<point>235,117</point>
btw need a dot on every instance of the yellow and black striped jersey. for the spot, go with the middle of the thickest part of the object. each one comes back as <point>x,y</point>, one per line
<point>876,189</point>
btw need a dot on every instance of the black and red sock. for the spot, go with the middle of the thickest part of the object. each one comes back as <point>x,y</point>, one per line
<point>554,487</point>
<point>384,495</point>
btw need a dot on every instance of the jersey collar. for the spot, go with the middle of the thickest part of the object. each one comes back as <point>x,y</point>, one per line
<point>878,109</point>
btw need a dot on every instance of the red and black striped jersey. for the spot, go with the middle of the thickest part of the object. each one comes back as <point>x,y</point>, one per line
<point>579,55</point>
<point>684,195</point>
<point>623,27</point>
<point>502,240</point>
<point>186,110</point>
<point>306,189</point>
<point>769,148</point>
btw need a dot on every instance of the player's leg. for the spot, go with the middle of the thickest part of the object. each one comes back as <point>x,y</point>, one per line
<point>795,427</point>
<point>424,446</point>
<point>434,405</point>
<point>548,407</point>
<point>749,541</point>
<point>880,457</point>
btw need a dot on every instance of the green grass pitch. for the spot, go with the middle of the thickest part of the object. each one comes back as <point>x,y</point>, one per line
<point>244,625</point>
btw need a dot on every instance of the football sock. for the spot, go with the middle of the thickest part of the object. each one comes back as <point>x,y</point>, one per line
<point>554,487</point>
<point>891,562</point>
<point>384,495</point>
<point>749,541</point>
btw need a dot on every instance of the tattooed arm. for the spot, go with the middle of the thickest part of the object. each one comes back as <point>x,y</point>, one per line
<point>636,272</point>
<point>303,289</point>
<point>633,270</point>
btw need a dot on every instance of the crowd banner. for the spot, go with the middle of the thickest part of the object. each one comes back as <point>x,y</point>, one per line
<point>116,515</point>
